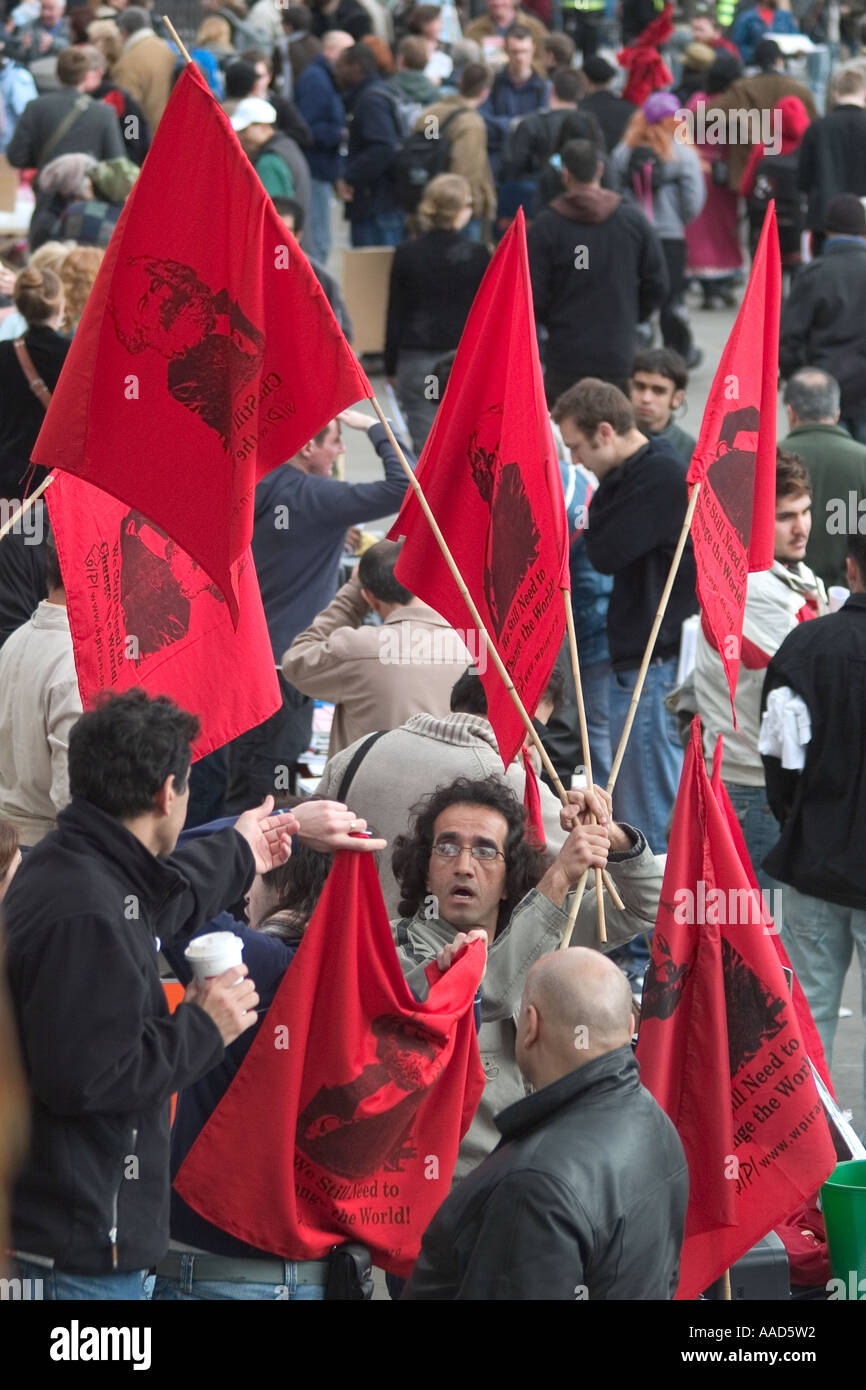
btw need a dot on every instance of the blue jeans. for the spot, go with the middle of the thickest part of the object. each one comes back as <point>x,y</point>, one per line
<point>188,1289</point>
<point>595,680</point>
<point>386,229</point>
<point>318,238</point>
<point>58,1286</point>
<point>646,787</point>
<point>820,938</point>
<point>759,826</point>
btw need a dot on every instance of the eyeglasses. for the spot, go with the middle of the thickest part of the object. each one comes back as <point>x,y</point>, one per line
<point>450,849</point>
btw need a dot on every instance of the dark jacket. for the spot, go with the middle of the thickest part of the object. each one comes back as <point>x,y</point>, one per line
<point>96,131</point>
<point>613,114</point>
<point>822,810</point>
<point>374,138</point>
<point>102,1052</point>
<point>824,321</point>
<point>591,314</point>
<point>837,467</point>
<point>585,1197</point>
<point>321,106</point>
<point>21,412</point>
<point>505,103</point>
<point>633,525</point>
<point>281,147</point>
<point>833,160</point>
<point>297,567</point>
<point>349,16</point>
<point>434,279</point>
<point>529,145</point>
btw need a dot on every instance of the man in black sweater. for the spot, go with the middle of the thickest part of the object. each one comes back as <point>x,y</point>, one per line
<point>832,157</point>
<point>597,271</point>
<point>85,917</point>
<point>632,528</point>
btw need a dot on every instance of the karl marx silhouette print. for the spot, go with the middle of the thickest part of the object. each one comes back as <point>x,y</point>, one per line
<point>511,542</point>
<point>212,348</point>
<point>157,582</point>
<point>356,1128</point>
<point>725,474</point>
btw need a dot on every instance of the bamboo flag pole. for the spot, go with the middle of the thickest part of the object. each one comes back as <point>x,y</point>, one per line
<point>25,506</point>
<point>587,763</point>
<point>176,36</point>
<point>651,640</point>
<point>477,619</point>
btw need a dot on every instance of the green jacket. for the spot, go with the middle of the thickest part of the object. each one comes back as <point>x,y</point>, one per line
<point>837,467</point>
<point>535,928</point>
<point>683,444</point>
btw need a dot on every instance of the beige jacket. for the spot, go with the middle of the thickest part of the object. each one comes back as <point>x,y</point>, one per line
<point>376,676</point>
<point>484,28</point>
<point>467,154</point>
<point>145,69</point>
<point>410,762</point>
<point>39,703</point>
<point>535,928</point>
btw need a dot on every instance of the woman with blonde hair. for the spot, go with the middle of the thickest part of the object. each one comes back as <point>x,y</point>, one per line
<point>656,165</point>
<point>434,279</point>
<point>78,273</point>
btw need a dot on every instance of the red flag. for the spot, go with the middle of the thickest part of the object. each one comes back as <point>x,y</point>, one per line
<point>142,613</point>
<point>207,353</point>
<point>720,1047</point>
<point>352,1085</point>
<point>811,1037</point>
<point>490,474</point>
<point>733,528</point>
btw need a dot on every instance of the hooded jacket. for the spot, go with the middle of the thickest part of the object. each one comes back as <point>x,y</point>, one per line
<point>597,270</point>
<point>681,192</point>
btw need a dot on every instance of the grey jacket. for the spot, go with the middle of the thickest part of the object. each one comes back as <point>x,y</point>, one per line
<point>535,928</point>
<point>681,195</point>
<point>96,131</point>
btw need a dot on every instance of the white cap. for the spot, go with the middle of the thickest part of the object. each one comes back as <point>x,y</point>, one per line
<point>253,111</point>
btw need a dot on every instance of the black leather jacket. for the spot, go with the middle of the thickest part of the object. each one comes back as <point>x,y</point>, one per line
<point>585,1197</point>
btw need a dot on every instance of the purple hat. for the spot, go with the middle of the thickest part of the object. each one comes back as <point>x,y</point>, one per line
<point>660,105</point>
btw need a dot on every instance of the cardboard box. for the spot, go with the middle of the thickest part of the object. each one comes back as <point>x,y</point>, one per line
<point>366,271</point>
<point>8,185</point>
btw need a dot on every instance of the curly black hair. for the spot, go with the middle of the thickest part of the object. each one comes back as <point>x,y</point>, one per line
<point>122,750</point>
<point>524,865</point>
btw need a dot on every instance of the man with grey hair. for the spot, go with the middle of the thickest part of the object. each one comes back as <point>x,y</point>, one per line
<point>836,464</point>
<point>146,66</point>
<point>586,1195</point>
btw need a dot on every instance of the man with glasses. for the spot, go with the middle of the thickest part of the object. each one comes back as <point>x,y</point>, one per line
<point>467,867</point>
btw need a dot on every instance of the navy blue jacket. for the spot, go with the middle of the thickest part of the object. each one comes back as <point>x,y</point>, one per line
<point>507,101</point>
<point>374,139</point>
<point>298,564</point>
<point>319,102</point>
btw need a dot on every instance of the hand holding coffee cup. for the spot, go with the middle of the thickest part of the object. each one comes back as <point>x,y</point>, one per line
<point>230,999</point>
<point>213,953</point>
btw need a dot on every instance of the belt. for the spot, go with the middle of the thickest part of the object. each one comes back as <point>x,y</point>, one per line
<point>241,1271</point>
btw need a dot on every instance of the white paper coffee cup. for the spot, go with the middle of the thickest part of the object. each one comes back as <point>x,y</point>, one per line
<point>213,953</point>
<point>837,595</point>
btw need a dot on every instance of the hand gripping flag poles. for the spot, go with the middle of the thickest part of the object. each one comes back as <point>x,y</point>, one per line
<point>732,501</point>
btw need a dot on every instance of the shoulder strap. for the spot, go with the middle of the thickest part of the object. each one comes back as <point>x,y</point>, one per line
<point>357,758</point>
<point>34,380</point>
<point>77,109</point>
<point>461,110</point>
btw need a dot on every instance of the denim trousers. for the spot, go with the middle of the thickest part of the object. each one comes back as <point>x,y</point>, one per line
<point>413,387</point>
<point>317,241</point>
<point>759,826</point>
<point>385,229</point>
<point>595,680</point>
<point>60,1286</point>
<point>820,938</point>
<point>186,1288</point>
<point>646,787</point>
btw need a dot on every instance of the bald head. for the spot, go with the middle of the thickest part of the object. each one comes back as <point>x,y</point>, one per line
<point>577,1005</point>
<point>335,42</point>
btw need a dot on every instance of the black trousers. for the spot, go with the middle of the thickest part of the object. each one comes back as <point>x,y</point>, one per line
<point>673,315</point>
<point>264,760</point>
<point>584,27</point>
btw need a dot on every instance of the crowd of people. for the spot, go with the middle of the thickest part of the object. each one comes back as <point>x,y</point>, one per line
<point>643,176</point>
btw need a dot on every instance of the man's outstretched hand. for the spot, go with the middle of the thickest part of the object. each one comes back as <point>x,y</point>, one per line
<point>329,826</point>
<point>268,836</point>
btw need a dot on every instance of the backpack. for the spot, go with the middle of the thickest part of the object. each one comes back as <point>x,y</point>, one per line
<point>420,158</point>
<point>644,175</point>
<point>776,178</point>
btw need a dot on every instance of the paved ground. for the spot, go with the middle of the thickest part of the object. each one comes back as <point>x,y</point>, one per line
<point>711,330</point>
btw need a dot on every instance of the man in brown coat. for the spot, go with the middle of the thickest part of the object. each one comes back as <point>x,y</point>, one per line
<point>146,66</point>
<point>754,98</point>
<point>466,136</point>
<point>489,31</point>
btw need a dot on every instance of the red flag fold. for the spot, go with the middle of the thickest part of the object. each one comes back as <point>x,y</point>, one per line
<point>357,1094</point>
<point>733,528</point>
<point>207,353</point>
<point>490,474</point>
<point>720,1045</point>
<point>142,613</point>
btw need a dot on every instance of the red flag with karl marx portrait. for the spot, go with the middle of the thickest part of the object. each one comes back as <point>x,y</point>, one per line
<point>490,474</point>
<point>344,1119</point>
<point>733,528</point>
<point>207,353</point>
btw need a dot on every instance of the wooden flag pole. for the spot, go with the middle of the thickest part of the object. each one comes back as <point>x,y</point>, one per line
<point>476,618</point>
<point>25,506</point>
<point>176,36</point>
<point>651,640</point>
<point>587,763</point>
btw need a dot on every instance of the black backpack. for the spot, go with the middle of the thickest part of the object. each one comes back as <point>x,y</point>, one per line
<point>420,158</point>
<point>776,178</point>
